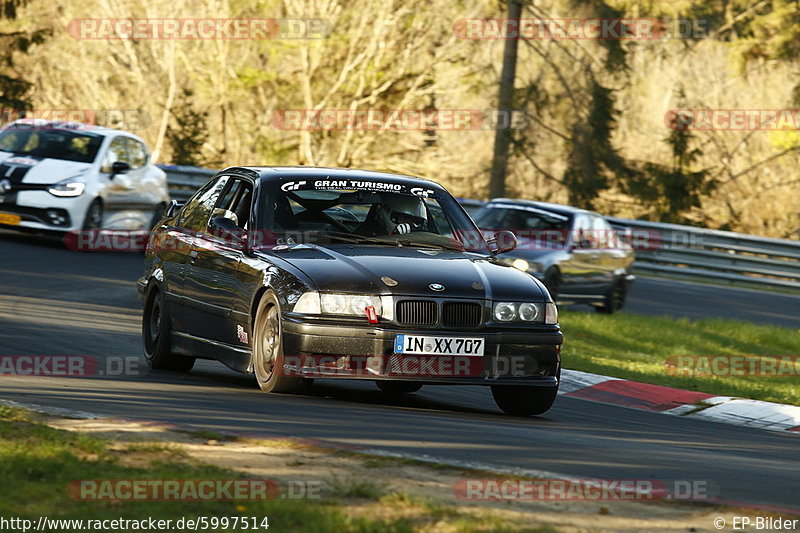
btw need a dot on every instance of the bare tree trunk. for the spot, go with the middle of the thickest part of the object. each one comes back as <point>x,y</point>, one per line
<point>502,138</point>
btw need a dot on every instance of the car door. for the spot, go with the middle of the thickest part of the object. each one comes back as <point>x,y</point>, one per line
<point>145,192</point>
<point>213,265</point>
<point>579,268</point>
<point>123,190</point>
<point>614,255</point>
<point>603,260</point>
<point>179,242</point>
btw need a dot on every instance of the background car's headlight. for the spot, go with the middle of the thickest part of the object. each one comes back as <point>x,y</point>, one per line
<point>525,312</point>
<point>314,303</point>
<point>67,189</point>
<point>520,264</point>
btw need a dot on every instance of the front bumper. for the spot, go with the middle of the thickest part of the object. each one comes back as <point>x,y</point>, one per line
<point>513,357</point>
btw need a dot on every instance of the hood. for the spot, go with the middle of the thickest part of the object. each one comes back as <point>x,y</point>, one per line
<point>38,170</point>
<point>360,269</point>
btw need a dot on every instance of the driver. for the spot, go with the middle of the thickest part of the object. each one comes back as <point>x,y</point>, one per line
<point>396,214</point>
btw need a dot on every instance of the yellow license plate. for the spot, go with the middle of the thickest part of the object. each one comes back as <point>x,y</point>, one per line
<point>8,218</point>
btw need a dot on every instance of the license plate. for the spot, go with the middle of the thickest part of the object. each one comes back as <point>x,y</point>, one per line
<point>424,345</point>
<point>8,218</point>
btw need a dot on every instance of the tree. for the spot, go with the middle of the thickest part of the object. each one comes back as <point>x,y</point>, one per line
<point>14,89</point>
<point>188,132</point>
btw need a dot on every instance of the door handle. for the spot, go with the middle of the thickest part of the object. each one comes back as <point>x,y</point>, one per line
<point>192,256</point>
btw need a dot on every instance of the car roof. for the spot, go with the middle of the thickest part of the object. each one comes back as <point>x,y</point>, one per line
<point>566,210</point>
<point>294,172</point>
<point>82,127</point>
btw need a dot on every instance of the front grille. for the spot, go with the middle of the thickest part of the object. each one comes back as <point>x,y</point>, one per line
<point>462,314</point>
<point>417,312</point>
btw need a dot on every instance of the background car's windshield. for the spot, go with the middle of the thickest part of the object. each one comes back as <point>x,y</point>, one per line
<point>545,225</point>
<point>55,144</point>
<point>375,213</point>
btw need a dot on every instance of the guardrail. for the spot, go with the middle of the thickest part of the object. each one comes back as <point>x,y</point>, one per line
<point>184,181</point>
<point>711,255</point>
<point>671,249</point>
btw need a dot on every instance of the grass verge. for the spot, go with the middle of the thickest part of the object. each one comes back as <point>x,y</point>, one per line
<point>37,464</point>
<point>637,348</point>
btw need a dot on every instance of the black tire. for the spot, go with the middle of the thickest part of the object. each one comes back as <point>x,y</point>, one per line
<point>398,387</point>
<point>524,401</point>
<point>94,216</point>
<point>552,280</point>
<point>268,349</point>
<point>614,300</point>
<point>156,336</point>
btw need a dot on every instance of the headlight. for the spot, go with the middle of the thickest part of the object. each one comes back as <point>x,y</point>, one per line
<point>314,303</point>
<point>528,312</point>
<point>67,189</point>
<point>505,312</point>
<point>520,264</point>
<point>525,312</point>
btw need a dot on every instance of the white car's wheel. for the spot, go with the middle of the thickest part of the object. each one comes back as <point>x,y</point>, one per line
<point>94,216</point>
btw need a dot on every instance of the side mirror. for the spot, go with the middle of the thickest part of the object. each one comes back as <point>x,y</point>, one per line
<point>503,241</point>
<point>172,208</point>
<point>119,167</point>
<point>226,229</point>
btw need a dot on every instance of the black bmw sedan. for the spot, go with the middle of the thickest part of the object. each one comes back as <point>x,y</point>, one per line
<point>298,273</point>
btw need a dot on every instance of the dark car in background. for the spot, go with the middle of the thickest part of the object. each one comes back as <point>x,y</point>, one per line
<point>576,253</point>
<point>297,273</point>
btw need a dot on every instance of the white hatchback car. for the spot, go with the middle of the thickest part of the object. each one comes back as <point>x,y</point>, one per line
<point>66,176</point>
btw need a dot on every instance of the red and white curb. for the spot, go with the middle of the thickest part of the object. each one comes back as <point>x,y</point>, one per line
<point>656,398</point>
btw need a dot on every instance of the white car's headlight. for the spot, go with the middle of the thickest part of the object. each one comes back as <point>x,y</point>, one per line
<point>68,188</point>
<point>314,303</point>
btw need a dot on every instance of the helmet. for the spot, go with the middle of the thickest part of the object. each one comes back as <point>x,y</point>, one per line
<point>402,213</point>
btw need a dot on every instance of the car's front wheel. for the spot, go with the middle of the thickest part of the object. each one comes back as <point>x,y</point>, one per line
<point>156,336</point>
<point>94,216</point>
<point>614,300</point>
<point>268,348</point>
<point>524,401</point>
<point>398,387</point>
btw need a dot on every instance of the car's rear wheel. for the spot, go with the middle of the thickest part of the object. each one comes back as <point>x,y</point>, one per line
<point>156,336</point>
<point>524,401</point>
<point>398,387</point>
<point>614,299</point>
<point>552,280</point>
<point>268,348</point>
<point>94,216</point>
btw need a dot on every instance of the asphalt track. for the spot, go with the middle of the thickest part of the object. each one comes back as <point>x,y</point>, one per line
<point>57,302</point>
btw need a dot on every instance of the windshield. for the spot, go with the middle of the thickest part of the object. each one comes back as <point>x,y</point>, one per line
<point>526,223</point>
<point>55,144</point>
<point>369,213</point>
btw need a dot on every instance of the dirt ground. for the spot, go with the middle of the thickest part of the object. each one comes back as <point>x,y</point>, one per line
<point>386,487</point>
